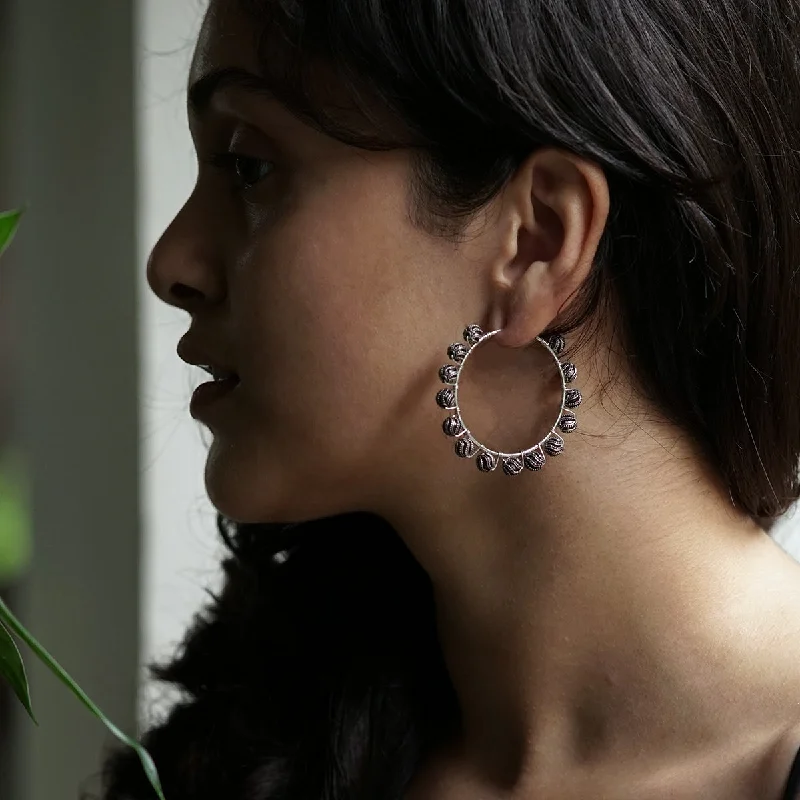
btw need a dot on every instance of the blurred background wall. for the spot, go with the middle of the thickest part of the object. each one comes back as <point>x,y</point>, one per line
<point>100,464</point>
<point>74,379</point>
<point>181,550</point>
<point>93,399</point>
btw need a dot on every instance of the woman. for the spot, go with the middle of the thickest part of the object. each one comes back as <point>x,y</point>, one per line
<point>374,178</point>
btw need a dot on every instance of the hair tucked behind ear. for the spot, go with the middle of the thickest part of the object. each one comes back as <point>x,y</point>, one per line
<point>320,678</point>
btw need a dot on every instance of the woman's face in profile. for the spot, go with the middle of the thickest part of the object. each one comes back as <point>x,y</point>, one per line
<point>302,272</point>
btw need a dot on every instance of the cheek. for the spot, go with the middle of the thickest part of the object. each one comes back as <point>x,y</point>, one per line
<point>331,329</point>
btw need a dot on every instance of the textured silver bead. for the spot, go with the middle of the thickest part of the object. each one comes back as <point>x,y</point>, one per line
<point>465,447</point>
<point>452,426</point>
<point>472,333</point>
<point>533,459</point>
<point>458,352</point>
<point>486,462</point>
<point>568,423</point>
<point>446,399</point>
<point>573,398</point>
<point>557,343</point>
<point>512,466</point>
<point>554,446</point>
<point>448,374</point>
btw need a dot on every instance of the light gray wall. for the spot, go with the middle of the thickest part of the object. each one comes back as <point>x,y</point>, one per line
<point>181,549</point>
<point>786,532</point>
<point>71,132</point>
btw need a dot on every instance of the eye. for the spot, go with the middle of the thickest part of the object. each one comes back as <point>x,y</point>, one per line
<point>247,171</point>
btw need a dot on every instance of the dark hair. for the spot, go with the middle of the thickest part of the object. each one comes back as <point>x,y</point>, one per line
<point>319,676</point>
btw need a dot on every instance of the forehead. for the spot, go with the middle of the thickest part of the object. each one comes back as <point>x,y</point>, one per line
<point>227,38</point>
<point>230,38</point>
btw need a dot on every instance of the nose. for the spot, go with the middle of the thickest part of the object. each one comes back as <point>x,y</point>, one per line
<point>184,268</point>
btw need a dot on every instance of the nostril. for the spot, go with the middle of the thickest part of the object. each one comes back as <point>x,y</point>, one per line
<point>181,292</point>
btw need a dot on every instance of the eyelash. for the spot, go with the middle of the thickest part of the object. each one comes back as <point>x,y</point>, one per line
<point>229,162</point>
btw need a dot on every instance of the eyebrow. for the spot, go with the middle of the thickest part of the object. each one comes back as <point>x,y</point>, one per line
<point>202,91</point>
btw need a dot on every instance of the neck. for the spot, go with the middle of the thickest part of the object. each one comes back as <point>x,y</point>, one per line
<point>596,613</point>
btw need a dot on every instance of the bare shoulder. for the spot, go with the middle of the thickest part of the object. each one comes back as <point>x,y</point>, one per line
<point>757,768</point>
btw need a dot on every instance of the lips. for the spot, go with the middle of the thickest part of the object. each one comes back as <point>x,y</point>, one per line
<point>194,354</point>
<point>219,374</point>
<point>211,399</point>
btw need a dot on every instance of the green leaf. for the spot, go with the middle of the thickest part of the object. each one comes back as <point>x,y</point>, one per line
<point>13,670</point>
<point>15,537</point>
<point>8,226</point>
<point>147,762</point>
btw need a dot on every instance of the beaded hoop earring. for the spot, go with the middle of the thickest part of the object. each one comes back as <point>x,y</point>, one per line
<point>533,458</point>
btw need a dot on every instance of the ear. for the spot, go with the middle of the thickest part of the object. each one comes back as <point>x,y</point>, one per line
<point>552,217</point>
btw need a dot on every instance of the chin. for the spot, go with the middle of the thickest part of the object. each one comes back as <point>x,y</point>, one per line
<point>255,486</point>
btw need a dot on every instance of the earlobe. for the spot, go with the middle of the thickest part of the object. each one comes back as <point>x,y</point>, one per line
<point>560,204</point>
<point>527,308</point>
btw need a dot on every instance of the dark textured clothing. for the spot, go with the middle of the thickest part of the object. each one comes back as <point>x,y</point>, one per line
<point>793,782</point>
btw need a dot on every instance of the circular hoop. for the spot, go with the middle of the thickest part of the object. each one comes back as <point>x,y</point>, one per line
<point>532,458</point>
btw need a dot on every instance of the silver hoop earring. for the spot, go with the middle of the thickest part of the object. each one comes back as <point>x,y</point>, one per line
<point>467,445</point>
